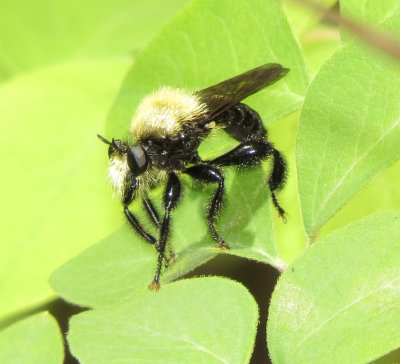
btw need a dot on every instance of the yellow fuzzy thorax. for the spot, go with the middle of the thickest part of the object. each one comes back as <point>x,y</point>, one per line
<point>164,112</point>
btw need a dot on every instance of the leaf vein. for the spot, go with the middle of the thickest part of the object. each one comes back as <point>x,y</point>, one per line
<point>356,163</point>
<point>344,309</point>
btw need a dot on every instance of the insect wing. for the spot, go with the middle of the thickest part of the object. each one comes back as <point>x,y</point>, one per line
<point>226,94</point>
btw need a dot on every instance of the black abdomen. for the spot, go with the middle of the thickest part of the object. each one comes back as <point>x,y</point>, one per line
<point>241,122</point>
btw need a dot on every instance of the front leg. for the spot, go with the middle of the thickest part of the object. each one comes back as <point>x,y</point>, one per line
<point>137,226</point>
<point>133,222</point>
<point>153,214</point>
<point>171,199</point>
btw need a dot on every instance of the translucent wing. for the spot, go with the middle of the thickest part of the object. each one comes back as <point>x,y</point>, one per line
<point>228,93</point>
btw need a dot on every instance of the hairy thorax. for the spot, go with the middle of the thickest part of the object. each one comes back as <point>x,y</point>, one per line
<point>165,112</point>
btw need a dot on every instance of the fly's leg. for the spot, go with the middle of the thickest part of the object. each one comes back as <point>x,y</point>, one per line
<point>155,218</point>
<point>210,174</point>
<point>171,199</point>
<point>252,152</point>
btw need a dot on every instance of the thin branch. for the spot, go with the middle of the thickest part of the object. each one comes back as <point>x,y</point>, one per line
<point>376,38</point>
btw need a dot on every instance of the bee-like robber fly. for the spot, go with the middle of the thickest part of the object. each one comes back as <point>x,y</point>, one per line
<point>168,127</point>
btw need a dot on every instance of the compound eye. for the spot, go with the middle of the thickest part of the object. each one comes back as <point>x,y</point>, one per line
<point>137,160</point>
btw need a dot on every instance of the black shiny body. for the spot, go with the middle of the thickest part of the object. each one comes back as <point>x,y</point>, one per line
<point>178,154</point>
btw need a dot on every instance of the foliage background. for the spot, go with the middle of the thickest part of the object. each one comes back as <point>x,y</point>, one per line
<point>61,69</point>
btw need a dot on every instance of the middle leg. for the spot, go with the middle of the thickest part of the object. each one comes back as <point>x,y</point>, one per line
<point>151,211</point>
<point>245,125</point>
<point>154,216</point>
<point>171,199</point>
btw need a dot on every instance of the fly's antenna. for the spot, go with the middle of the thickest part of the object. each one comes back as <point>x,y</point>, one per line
<point>104,140</point>
<point>116,146</point>
<point>112,143</point>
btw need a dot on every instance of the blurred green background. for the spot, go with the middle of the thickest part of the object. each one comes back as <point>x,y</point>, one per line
<point>61,65</point>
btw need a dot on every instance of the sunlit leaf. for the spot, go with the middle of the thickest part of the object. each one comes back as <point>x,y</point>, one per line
<point>380,15</point>
<point>339,301</point>
<point>185,322</point>
<point>34,34</point>
<point>349,130</point>
<point>54,193</point>
<point>35,340</point>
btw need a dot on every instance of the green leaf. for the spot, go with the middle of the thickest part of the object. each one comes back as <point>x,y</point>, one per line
<point>302,18</point>
<point>349,131</point>
<point>318,39</point>
<point>366,202</point>
<point>185,322</point>
<point>339,302</point>
<point>107,272</point>
<point>370,11</point>
<point>383,15</point>
<point>54,194</point>
<point>123,264</point>
<point>212,41</point>
<point>34,34</point>
<point>35,340</point>
<point>319,46</point>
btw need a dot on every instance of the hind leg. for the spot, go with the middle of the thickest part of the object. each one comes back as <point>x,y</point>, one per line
<point>245,125</point>
<point>210,174</point>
